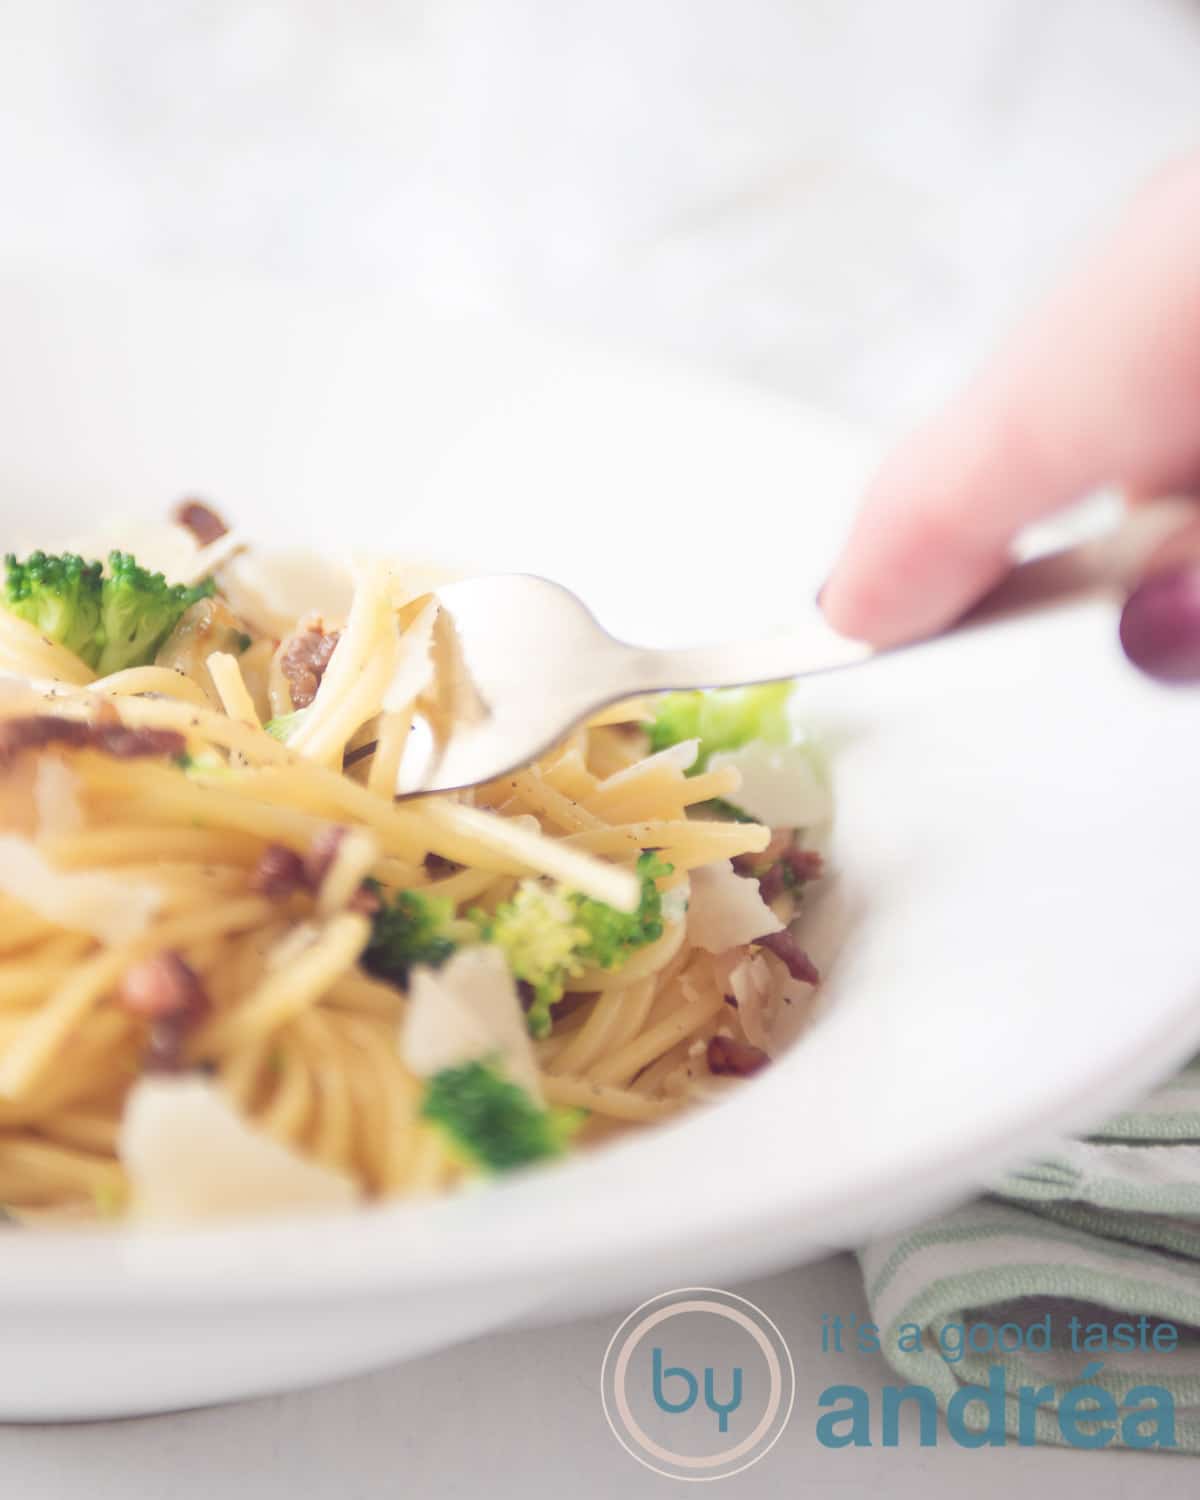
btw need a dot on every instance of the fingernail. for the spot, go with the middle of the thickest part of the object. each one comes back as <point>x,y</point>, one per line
<point>1160,625</point>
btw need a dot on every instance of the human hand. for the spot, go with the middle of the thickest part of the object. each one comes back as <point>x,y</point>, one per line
<point>1100,386</point>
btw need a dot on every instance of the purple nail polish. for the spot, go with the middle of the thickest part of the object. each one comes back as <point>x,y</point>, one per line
<point>1160,625</point>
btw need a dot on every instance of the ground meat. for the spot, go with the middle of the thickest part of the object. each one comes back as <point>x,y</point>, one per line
<point>279,872</point>
<point>171,996</point>
<point>783,945</point>
<point>303,662</point>
<point>34,731</point>
<point>200,519</point>
<point>727,1056</point>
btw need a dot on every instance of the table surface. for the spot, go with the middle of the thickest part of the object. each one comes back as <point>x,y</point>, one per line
<point>519,1415</point>
<point>844,200</point>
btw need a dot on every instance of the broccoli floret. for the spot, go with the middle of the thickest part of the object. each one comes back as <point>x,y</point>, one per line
<point>613,935</point>
<point>541,940</point>
<point>492,1121</point>
<point>112,621</point>
<point>60,596</point>
<point>280,728</point>
<point>549,938</point>
<point>721,720</point>
<point>409,929</point>
<point>138,611</point>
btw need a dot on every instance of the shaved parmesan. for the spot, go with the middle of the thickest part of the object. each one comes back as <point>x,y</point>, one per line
<point>680,757</point>
<point>782,785</point>
<point>467,1010</point>
<point>726,910</point>
<point>162,546</point>
<point>271,590</point>
<point>753,987</point>
<point>188,1154</point>
<point>114,911</point>
<point>56,798</point>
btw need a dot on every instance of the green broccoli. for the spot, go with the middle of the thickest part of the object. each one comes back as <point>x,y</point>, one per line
<point>409,929</point>
<point>280,728</point>
<point>110,621</point>
<point>724,719</point>
<point>539,937</point>
<point>138,611</point>
<point>613,935</point>
<point>58,595</point>
<point>549,938</point>
<point>493,1122</point>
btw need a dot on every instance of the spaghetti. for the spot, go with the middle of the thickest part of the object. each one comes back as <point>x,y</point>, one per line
<point>238,974</point>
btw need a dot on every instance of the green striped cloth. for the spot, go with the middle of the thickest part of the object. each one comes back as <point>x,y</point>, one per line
<point>1105,1230</point>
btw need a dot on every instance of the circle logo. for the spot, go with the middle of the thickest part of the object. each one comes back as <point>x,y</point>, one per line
<point>697,1384</point>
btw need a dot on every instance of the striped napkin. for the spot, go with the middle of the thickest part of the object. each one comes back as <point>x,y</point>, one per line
<point>1106,1229</point>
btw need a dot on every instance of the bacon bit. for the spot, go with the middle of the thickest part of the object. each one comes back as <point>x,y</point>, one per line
<point>201,520</point>
<point>279,872</point>
<point>728,1057</point>
<point>781,866</point>
<point>795,868</point>
<point>805,864</point>
<point>35,731</point>
<point>106,712</point>
<point>161,985</point>
<point>322,854</point>
<point>125,743</point>
<point>303,663</point>
<point>170,995</point>
<point>784,946</point>
<point>781,840</point>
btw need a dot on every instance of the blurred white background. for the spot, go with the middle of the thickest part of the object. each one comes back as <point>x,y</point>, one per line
<point>840,198</point>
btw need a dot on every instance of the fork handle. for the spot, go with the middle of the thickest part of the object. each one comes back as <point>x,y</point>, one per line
<point>1109,565</point>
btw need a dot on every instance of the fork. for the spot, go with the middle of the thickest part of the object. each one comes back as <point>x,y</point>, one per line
<point>542,664</point>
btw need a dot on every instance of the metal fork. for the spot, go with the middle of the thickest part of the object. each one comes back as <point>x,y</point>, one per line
<point>542,663</point>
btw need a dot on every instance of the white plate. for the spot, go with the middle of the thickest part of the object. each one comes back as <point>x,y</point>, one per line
<point>1014,911</point>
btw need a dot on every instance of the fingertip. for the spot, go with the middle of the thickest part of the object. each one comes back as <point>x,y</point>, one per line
<point>1160,623</point>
